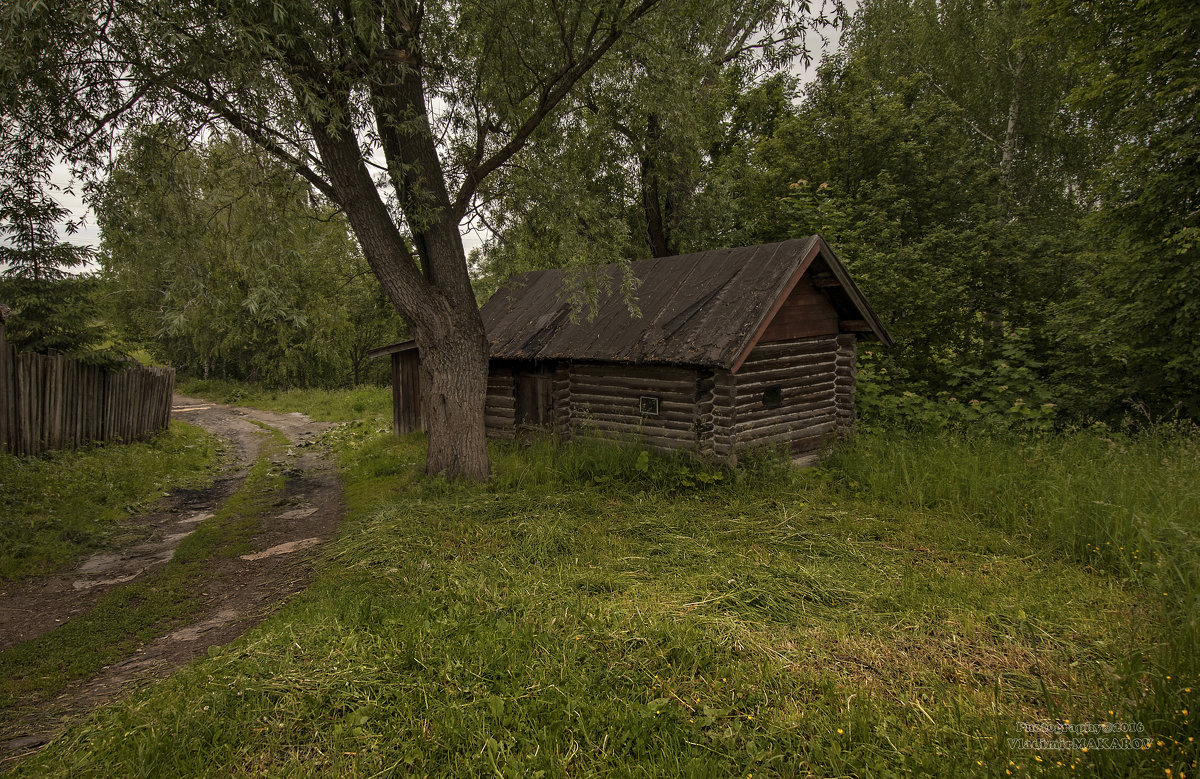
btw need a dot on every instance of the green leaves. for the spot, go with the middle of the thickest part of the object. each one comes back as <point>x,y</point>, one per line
<point>1137,313</point>
<point>988,187</point>
<point>633,165</point>
<point>223,264</point>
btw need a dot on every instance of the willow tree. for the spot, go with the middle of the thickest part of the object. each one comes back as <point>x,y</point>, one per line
<point>619,174</point>
<point>393,110</point>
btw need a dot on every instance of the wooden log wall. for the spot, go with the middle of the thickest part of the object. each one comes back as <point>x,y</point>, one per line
<point>500,405</point>
<point>712,411</point>
<point>605,402</point>
<point>561,416</point>
<point>847,377</point>
<point>806,374</point>
<point>706,386</point>
<point>55,402</point>
<point>724,436</point>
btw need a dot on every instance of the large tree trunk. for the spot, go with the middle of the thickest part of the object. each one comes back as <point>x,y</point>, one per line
<point>657,231</point>
<point>454,369</point>
<point>659,215</point>
<point>432,291</point>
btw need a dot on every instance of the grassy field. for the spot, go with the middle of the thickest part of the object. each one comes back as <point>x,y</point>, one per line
<point>592,611</point>
<point>57,507</point>
<point>364,402</point>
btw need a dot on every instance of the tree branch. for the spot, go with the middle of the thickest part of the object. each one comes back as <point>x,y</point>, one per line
<point>256,134</point>
<point>104,121</point>
<point>553,92</point>
<point>381,242</point>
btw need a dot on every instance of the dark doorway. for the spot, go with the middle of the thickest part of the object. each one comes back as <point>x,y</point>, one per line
<point>535,397</point>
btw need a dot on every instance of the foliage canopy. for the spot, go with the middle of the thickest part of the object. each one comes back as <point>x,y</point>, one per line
<point>221,264</point>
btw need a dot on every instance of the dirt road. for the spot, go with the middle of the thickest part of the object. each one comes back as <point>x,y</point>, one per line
<point>237,593</point>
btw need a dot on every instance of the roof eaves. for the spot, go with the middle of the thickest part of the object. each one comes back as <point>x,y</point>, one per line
<point>807,255</point>
<point>855,294</point>
<point>399,346</point>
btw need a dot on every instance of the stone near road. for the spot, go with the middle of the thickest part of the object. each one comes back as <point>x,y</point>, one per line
<point>290,546</point>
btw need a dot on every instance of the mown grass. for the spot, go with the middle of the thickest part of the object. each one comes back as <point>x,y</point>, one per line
<point>593,611</point>
<point>133,613</point>
<point>346,405</point>
<point>1127,506</point>
<point>58,507</point>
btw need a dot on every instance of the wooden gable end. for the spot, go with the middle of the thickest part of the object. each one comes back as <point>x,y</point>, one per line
<point>805,313</point>
<point>820,299</point>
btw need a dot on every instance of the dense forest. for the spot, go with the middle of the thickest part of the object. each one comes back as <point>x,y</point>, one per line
<point>1013,183</point>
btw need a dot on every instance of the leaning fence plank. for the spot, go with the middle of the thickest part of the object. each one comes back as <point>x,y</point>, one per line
<point>54,413</point>
<point>6,399</point>
<point>26,371</point>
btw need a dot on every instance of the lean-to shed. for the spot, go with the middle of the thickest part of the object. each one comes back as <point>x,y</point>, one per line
<point>729,348</point>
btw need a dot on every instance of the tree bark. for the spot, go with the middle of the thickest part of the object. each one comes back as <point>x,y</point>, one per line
<point>659,215</point>
<point>656,228</point>
<point>1009,150</point>
<point>1008,153</point>
<point>453,348</point>
<point>454,370</point>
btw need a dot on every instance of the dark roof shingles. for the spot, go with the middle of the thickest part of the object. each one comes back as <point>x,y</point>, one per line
<point>695,309</point>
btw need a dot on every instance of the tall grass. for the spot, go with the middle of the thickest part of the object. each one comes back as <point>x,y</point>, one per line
<point>594,610</point>
<point>1124,504</point>
<point>1076,490</point>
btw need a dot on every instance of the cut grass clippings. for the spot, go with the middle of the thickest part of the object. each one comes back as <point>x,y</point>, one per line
<point>593,611</point>
<point>151,605</point>
<point>62,505</point>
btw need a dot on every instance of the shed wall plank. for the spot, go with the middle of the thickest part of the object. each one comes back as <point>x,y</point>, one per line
<point>811,400</point>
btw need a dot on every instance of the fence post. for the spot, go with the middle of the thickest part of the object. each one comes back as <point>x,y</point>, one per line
<point>56,402</point>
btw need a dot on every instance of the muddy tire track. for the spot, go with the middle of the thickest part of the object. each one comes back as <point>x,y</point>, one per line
<point>237,594</point>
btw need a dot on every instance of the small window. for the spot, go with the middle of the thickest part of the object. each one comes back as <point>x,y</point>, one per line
<point>772,397</point>
<point>649,406</point>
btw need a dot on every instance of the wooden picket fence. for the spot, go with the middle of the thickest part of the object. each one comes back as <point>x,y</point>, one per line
<point>56,402</point>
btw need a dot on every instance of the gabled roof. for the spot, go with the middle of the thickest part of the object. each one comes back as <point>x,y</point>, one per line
<point>707,308</point>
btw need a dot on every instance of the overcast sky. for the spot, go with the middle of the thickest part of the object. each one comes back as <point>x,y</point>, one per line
<point>89,234</point>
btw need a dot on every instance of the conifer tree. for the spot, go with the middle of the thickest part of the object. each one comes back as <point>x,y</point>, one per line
<point>52,305</point>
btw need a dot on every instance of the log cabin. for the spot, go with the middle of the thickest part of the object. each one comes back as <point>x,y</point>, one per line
<point>715,352</point>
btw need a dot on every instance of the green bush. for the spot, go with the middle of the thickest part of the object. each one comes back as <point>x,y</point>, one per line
<point>1008,395</point>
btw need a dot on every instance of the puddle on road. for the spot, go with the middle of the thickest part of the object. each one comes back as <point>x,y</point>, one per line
<point>192,632</point>
<point>132,562</point>
<point>87,584</point>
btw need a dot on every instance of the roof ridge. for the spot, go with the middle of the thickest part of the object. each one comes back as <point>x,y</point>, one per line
<point>700,308</point>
